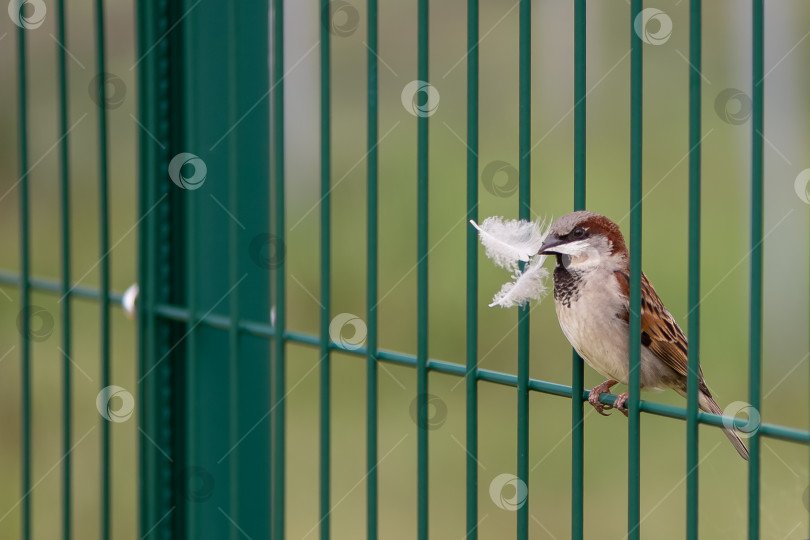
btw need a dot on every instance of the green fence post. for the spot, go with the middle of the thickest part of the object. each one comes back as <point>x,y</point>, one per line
<point>204,389</point>
<point>159,236</point>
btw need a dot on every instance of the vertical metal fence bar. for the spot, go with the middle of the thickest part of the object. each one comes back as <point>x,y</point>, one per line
<point>325,275</point>
<point>156,410</point>
<point>104,266</point>
<point>233,347</point>
<point>146,326</point>
<point>223,405</point>
<point>278,343</point>
<point>190,244</point>
<point>25,292</point>
<point>371,358</point>
<point>577,365</point>
<point>422,283</point>
<point>64,306</point>
<point>755,328</point>
<point>152,494</point>
<point>234,303</point>
<point>472,270</point>
<point>524,212</point>
<point>692,491</point>
<point>250,156</point>
<point>190,521</point>
<point>633,442</point>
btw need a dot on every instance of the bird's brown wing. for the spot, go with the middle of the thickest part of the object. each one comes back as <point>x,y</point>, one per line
<point>659,331</point>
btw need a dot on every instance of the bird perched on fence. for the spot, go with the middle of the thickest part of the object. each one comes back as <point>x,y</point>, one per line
<point>592,298</point>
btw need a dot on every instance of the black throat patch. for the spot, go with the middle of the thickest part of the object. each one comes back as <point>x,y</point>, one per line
<point>566,284</point>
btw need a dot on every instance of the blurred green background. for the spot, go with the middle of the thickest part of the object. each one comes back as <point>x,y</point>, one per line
<point>725,270</point>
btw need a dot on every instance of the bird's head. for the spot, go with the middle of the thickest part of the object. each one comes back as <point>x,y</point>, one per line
<point>583,240</point>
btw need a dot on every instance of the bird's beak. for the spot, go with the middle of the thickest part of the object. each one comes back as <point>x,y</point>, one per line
<point>551,241</point>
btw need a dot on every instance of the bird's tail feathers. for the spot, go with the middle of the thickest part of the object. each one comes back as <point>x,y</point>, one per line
<point>708,404</point>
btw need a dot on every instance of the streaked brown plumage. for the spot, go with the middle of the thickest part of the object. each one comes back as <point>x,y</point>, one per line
<point>591,295</point>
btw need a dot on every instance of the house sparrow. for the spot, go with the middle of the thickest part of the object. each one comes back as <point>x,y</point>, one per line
<point>592,298</point>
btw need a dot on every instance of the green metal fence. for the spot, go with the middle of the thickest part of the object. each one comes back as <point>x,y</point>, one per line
<point>35,323</point>
<point>212,314</point>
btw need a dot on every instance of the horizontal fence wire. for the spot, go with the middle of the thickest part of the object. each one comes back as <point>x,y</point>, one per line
<point>49,286</point>
<point>775,431</point>
<point>255,328</point>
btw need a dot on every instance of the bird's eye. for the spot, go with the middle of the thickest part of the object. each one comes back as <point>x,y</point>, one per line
<point>579,232</point>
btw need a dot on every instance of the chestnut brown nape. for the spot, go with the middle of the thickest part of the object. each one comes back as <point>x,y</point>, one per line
<point>595,224</point>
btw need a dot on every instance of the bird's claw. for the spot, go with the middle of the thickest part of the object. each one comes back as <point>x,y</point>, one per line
<point>593,397</point>
<point>600,407</point>
<point>619,404</point>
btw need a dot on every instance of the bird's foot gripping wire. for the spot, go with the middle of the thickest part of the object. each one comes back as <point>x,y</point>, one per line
<point>593,397</point>
<point>619,404</point>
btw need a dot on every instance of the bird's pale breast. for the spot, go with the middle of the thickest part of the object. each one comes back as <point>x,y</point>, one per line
<point>590,309</point>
